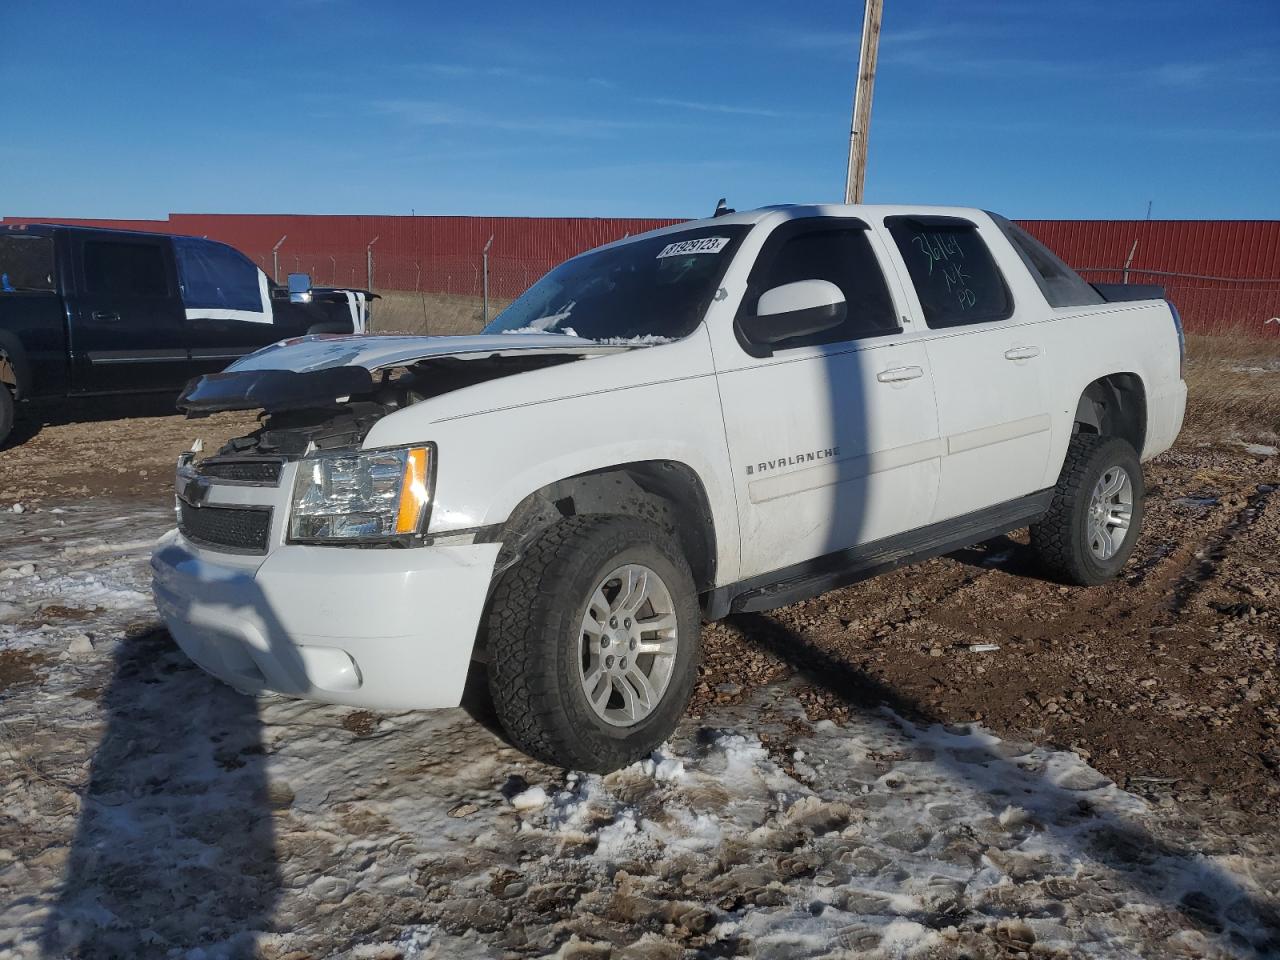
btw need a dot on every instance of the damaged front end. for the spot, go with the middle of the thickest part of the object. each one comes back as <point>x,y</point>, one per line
<point>320,397</point>
<point>326,392</point>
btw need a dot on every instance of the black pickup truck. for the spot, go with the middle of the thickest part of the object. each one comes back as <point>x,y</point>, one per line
<point>87,311</point>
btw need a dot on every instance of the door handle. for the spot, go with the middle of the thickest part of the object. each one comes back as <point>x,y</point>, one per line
<point>106,316</point>
<point>1021,353</point>
<point>899,374</point>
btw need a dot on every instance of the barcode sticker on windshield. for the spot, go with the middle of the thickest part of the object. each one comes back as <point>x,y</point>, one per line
<point>685,247</point>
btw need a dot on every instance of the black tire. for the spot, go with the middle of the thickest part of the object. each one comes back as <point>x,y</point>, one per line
<point>1061,537</point>
<point>6,413</point>
<point>535,634</point>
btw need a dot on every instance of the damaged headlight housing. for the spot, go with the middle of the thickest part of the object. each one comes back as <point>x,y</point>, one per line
<point>363,496</point>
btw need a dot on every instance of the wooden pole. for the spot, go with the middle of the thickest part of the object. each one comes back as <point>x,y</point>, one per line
<point>856,176</point>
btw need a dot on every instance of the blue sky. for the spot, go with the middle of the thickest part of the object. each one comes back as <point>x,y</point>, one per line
<point>1036,109</point>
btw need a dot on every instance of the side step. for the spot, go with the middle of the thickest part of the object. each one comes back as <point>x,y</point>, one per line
<point>864,561</point>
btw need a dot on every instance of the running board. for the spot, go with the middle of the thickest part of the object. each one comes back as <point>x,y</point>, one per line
<point>805,580</point>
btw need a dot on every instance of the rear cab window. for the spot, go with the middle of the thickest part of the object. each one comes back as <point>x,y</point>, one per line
<point>125,269</point>
<point>835,250</point>
<point>1061,286</point>
<point>26,263</point>
<point>952,270</point>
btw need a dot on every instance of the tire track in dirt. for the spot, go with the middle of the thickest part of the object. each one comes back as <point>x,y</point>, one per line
<point>1164,674</point>
<point>1209,559</point>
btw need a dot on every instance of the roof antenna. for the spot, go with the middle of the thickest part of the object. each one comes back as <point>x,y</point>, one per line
<point>721,209</point>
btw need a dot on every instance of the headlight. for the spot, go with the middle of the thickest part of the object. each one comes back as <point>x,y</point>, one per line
<point>362,496</point>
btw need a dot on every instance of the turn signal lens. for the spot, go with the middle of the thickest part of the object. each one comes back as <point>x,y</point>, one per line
<point>414,495</point>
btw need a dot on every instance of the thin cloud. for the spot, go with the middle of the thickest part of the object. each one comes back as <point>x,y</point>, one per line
<point>703,106</point>
<point>932,49</point>
<point>474,71</point>
<point>929,127</point>
<point>1178,75</point>
<point>430,113</point>
<point>822,39</point>
<point>849,41</point>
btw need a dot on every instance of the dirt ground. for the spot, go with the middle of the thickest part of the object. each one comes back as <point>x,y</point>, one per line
<point>1167,680</point>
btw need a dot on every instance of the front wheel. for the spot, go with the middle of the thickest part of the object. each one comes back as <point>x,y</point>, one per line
<point>1093,521</point>
<point>594,643</point>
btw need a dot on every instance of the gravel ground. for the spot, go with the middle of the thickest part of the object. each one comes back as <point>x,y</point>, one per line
<point>1167,680</point>
<point>854,777</point>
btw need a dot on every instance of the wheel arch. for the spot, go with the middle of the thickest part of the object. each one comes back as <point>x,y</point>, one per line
<point>15,369</point>
<point>1114,405</point>
<point>667,492</point>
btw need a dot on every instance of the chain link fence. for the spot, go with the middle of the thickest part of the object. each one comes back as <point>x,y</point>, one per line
<point>449,294</point>
<point>426,294</point>
<point>457,275</point>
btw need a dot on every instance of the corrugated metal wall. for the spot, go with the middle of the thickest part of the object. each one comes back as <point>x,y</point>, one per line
<point>1230,269</point>
<point>1225,248</point>
<point>1218,248</point>
<point>546,239</point>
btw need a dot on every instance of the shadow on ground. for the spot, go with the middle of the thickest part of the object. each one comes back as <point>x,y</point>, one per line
<point>1183,881</point>
<point>174,848</point>
<point>34,417</point>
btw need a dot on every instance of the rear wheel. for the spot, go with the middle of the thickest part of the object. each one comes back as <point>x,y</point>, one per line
<point>6,413</point>
<point>1096,513</point>
<point>594,642</point>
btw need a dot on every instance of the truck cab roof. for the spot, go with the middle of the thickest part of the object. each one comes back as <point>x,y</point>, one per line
<point>49,229</point>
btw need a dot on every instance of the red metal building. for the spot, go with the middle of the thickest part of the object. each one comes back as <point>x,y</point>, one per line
<point>1220,273</point>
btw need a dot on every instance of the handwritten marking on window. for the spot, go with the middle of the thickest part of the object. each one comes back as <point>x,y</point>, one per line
<point>944,251</point>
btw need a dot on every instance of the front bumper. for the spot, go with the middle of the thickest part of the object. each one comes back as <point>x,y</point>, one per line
<point>385,629</point>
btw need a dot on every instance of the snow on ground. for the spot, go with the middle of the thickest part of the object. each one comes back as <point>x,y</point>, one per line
<point>147,810</point>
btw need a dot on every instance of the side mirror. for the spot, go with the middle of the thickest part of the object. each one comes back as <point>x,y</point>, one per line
<point>299,288</point>
<point>795,310</point>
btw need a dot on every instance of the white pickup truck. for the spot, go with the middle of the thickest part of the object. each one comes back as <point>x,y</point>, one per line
<point>726,415</point>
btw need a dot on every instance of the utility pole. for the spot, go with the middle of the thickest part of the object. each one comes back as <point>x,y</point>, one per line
<point>856,177</point>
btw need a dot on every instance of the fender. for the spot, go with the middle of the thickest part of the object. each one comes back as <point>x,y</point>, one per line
<point>489,463</point>
<point>721,501</point>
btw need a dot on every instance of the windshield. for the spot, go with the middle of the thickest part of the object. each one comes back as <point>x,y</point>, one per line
<point>26,263</point>
<point>654,289</point>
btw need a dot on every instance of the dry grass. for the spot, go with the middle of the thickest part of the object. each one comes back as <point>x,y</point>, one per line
<point>1233,384</point>
<point>438,314</point>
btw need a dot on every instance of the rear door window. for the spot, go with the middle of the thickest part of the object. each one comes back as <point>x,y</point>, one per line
<point>952,270</point>
<point>26,263</point>
<point>125,269</point>
<point>839,255</point>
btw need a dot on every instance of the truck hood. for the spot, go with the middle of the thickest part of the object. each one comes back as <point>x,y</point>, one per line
<point>326,370</point>
<point>324,352</point>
